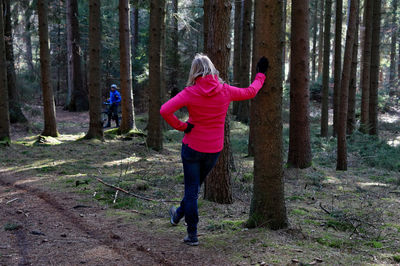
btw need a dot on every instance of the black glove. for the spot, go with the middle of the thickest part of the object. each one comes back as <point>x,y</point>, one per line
<point>262,65</point>
<point>189,127</point>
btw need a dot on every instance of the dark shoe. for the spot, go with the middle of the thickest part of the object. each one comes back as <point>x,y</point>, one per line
<point>172,214</point>
<point>191,240</point>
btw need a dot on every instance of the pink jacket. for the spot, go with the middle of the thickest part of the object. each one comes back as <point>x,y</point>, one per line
<point>207,102</point>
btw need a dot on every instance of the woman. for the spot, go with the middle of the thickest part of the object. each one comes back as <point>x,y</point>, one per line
<point>207,99</point>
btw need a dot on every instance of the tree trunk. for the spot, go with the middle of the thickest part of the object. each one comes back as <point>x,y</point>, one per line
<point>69,54</point>
<point>4,114</point>
<point>173,82</point>
<point>27,5</point>
<point>338,63</point>
<point>50,126</point>
<point>218,187</point>
<point>344,87</point>
<point>299,124</point>
<point>238,22</point>
<point>58,56</point>
<point>128,113</point>
<point>398,61</point>
<point>206,12</point>
<point>321,38</point>
<point>351,112</point>
<point>268,201</point>
<point>95,100</point>
<point>374,75</point>
<point>366,66</point>
<point>134,20</point>
<point>15,112</point>
<point>154,129</point>
<point>134,48</point>
<point>250,146</point>
<point>79,100</point>
<point>163,81</point>
<point>244,106</point>
<point>392,74</point>
<point>284,6</point>
<point>314,47</point>
<point>325,71</point>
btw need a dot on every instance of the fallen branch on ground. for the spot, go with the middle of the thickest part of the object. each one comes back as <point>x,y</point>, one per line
<point>132,194</point>
<point>8,202</point>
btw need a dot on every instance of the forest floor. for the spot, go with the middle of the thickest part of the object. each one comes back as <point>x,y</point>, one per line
<point>54,211</point>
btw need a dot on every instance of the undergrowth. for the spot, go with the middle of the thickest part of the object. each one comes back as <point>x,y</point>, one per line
<point>341,217</point>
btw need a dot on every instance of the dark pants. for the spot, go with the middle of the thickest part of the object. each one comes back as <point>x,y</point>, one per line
<point>196,166</point>
<point>113,113</point>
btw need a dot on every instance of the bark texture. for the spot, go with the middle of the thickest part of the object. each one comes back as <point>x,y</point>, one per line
<point>79,99</point>
<point>69,54</point>
<point>392,73</point>
<point>50,126</point>
<point>128,112</point>
<point>154,135</point>
<point>244,106</point>
<point>174,54</point>
<point>344,87</point>
<point>237,44</point>
<point>4,115</point>
<point>206,23</point>
<point>299,124</point>
<point>374,76</point>
<point>268,201</point>
<point>95,124</point>
<point>321,38</point>
<point>314,41</point>
<point>351,112</point>
<point>134,20</point>
<point>325,70</point>
<point>366,66</point>
<point>338,63</point>
<point>218,187</point>
<point>27,5</point>
<point>16,115</point>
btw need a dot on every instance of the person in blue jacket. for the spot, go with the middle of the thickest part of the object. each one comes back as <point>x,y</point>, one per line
<point>113,101</point>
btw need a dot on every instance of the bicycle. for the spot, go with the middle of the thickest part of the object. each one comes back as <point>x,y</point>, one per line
<point>104,113</point>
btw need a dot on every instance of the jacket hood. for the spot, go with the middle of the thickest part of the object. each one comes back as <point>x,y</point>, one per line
<point>208,85</point>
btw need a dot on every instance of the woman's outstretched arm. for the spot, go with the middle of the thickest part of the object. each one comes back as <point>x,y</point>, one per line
<point>240,94</point>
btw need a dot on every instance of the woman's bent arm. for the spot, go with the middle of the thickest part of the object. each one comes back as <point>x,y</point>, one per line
<point>169,108</point>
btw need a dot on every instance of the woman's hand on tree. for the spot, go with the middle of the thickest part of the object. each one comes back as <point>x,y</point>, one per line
<point>262,65</point>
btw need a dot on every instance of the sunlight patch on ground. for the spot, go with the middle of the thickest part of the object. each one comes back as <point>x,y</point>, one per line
<point>26,140</point>
<point>128,160</point>
<point>332,180</point>
<point>98,252</point>
<point>370,184</point>
<point>394,142</point>
<point>36,165</point>
<point>71,137</point>
<point>80,175</point>
<point>389,118</point>
<point>393,200</point>
<point>27,181</point>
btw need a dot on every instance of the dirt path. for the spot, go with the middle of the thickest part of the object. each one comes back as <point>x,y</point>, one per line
<point>48,228</point>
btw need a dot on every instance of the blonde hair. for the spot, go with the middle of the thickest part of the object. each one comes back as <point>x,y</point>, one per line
<point>202,66</point>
